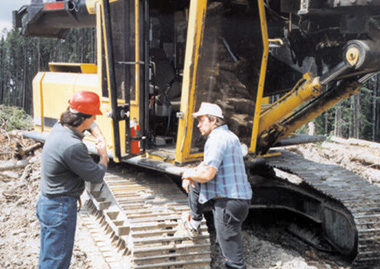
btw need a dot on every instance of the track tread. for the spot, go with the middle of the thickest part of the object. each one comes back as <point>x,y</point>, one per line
<point>149,209</point>
<point>351,190</point>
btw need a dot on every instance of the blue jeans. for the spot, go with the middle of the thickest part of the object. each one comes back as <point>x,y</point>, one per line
<point>229,215</point>
<point>58,218</point>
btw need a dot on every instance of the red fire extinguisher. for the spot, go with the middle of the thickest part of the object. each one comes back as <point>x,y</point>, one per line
<point>135,144</point>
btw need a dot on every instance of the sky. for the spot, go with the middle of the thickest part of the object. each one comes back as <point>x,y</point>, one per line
<point>6,12</point>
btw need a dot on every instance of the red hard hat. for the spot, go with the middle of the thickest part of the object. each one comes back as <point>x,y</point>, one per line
<point>86,102</point>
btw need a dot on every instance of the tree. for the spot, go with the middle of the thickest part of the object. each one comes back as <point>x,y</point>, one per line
<point>2,69</point>
<point>357,116</point>
<point>376,111</point>
<point>21,58</point>
<point>338,121</point>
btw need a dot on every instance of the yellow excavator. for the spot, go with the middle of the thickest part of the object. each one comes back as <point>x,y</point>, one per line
<point>272,65</point>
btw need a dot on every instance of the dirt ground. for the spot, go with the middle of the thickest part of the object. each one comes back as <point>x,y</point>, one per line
<point>265,247</point>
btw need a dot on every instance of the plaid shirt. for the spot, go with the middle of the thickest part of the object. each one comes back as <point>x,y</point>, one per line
<point>223,152</point>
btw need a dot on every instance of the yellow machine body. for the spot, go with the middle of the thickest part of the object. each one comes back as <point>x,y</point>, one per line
<point>52,89</point>
<point>272,66</point>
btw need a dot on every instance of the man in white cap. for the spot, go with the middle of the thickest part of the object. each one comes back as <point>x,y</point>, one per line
<point>221,182</point>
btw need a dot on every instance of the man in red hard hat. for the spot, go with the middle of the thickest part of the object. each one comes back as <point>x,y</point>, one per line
<point>65,166</point>
<point>85,102</point>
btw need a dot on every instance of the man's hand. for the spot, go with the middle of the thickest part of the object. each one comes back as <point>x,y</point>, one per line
<point>100,140</point>
<point>101,147</point>
<point>187,174</point>
<point>187,179</point>
<point>186,185</point>
<point>100,144</point>
<point>96,132</point>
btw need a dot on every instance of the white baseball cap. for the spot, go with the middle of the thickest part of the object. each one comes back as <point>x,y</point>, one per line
<point>209,109</point>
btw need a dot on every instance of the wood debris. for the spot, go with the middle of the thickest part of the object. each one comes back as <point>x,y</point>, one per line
<point>359,156</point>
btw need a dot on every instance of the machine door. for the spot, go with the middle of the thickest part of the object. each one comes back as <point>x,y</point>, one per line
<point>217,43</point>
<point>124,54</point>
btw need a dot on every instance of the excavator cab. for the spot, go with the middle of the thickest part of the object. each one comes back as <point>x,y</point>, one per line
<point>158,60</point>
<point>271,65</point>
<point>193,51</point>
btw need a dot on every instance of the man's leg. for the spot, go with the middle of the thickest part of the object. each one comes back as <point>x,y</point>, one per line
<point>229,215</point>
<point>191,222</point>
<point>57,217</point>
<point>43,229</point>
<point>195,207</point>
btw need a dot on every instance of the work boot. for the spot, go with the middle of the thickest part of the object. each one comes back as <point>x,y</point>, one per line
<point>190,231</point>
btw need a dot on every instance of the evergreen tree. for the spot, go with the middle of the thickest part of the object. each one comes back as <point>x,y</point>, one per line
<point>22,57</point>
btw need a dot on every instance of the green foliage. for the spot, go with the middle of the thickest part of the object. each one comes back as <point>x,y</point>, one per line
<point>366,98</point>
<point>325,123</point>
<point>12,118</point>
<point>302,130</point>
<point>22,57</point>
<point>347,116</point>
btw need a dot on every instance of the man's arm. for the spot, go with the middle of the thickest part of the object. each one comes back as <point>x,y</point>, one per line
<point>102,150</point>
<point>76,157</point>
<point>100,145</point>
<point>202,173</point>
<point>95,131</point>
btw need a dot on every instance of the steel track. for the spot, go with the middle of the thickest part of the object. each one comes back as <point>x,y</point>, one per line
<point>141,212</point>
<point>356,197</point>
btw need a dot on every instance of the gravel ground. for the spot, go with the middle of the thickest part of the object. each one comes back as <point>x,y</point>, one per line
<point>20,229</point>
<point>265,246</point>
<point>270,246</point>
<point>19,232</point>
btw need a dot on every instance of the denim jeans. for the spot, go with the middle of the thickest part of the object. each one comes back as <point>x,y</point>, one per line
<point>58,217</point>
<point>229,215</point>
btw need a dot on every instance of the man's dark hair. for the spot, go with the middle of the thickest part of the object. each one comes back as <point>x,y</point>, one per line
<point>219,121</point>
<point>73,119</point>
